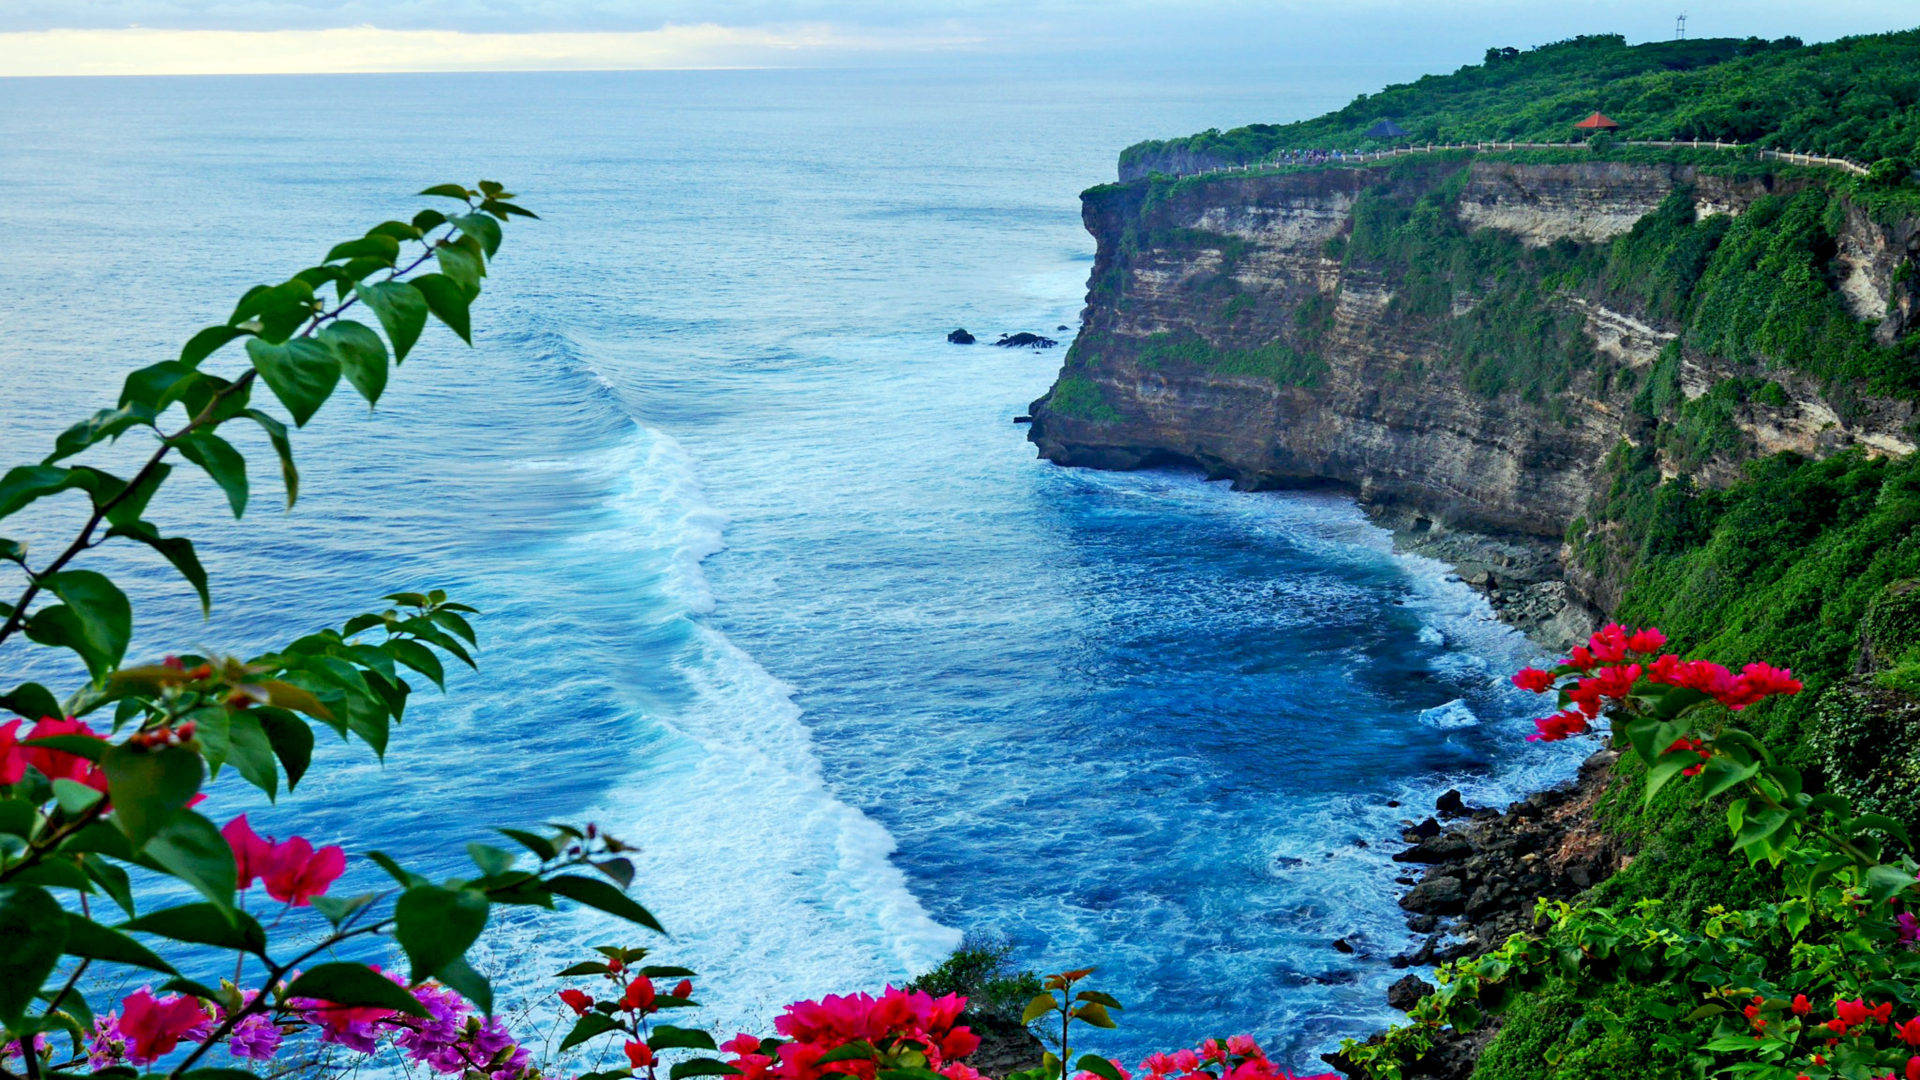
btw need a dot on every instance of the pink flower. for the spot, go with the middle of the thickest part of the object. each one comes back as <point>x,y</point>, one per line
<point>1909,927</point>
<point>251,855</point>
<point>154,1026</point>
<point>298,873</point>
<point>639,1055</point>
<point>53,764</point>
<point>1244,1046</point>
<point>741,1045</point>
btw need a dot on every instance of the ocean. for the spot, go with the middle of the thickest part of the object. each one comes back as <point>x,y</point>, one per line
<point>772,585</point>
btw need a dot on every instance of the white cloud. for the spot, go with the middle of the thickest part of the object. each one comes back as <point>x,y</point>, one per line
<point>141,51</point>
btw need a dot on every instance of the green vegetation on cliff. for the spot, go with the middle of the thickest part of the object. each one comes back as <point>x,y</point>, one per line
<point>1851,98</point>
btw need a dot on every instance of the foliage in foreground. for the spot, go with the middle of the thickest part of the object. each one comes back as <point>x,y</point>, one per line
<point>1810,987</point>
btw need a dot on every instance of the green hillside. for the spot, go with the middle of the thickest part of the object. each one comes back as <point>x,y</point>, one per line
<point>1849,98</point>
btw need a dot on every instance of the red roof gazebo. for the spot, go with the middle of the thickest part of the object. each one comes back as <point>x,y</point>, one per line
<point>1597,122</point>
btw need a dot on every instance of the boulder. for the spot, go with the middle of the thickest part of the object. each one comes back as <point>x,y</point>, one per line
<point>1436,896</point>
<point>1438,849</point>
<point>960,337</point>
<point>1024,340</point>
<point>1407,992</point>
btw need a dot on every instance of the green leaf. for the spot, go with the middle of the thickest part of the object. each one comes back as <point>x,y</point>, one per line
<point>103,425</point>
<point>91,747</point>
<point>277,434</point>
<point>148,787</point>
<point>1097,996</point>
<point>90,940</point>
<point>451,191</point>
<point>301,373</point>
<point>353,986</point>
<point>279,309</point>
<point>34,930</point>
<point>448,301</point>
<point>541,847</point>
<point>177,550</point>
<point>73,797</point>
<point>206,342</point>
<point>668,1037</point>
<point>468,983</point>
<point>291,739</point>
<point>371,246</point>
<point>24,483</point>
<point>700,1067</point>
<point>221,461</point>
<point>491,860</point>
<point>461,263</point>
<point>1041,1005</point>
<point>1094,1013</point>
<point>31,700</point>
<point>436,925</point>
<point>1098,1066</point>
<point>406,878</point>
<point>157,385</point>
<point>95,621</point>
<point>250,751</point>
<point>599,894</point>
<point>363,356</point>
<point>402,311</point>
<point>482,228</point>
<point>1722,774</point>
<point>419,658</point>
<point>190,848</point>
<point>586,1028</point>
<point>1886,882</point>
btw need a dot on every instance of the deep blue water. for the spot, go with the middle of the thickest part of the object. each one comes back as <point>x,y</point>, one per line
<point>772,585</point>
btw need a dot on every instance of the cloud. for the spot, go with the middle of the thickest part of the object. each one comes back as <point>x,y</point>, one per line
<point>143,51</point>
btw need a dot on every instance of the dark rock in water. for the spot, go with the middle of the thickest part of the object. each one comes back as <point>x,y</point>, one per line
<point>1024,340</point>
<point>1407,992</point>
<point>1426,830</point>
<point>1423,924</point>
<point>1393,802</point>
<point>1006,1046</point>
<point>960,337</point>
<point>1062,328</point>
<point>1437,849</point>
<point>1343,945</point>
<point>1451,804</point>
<point>1436,896</point>
<point>1023,419</point>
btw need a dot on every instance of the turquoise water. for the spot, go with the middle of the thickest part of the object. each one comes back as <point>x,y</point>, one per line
<point>773,586</point>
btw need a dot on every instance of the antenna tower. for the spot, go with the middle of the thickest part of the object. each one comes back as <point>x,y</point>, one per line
<point>1680,27</point>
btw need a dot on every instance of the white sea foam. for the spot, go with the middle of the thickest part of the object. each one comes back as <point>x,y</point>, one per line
<point>1454,714</point>
<point>773,887</point>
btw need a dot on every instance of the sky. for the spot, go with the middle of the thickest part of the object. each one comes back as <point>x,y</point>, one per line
<point>171,37</point>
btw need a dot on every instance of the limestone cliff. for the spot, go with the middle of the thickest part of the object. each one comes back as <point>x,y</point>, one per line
<point>1234,323</point>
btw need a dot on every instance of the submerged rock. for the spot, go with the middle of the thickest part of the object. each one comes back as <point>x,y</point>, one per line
<point>960,337</point>
<point>1024,340</point>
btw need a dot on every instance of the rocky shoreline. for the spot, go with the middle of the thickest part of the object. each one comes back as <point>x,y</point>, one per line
<point>1481,878</point>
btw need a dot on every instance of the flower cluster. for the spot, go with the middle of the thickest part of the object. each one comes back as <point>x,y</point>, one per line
<point>15,759</point>
<point>895,1020</point>
<point>1239,1058</point>
<point>450,1040</point>
<point>1616,661</point>
<point>293,871</point>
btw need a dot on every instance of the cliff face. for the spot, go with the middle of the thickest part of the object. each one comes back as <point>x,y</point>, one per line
<point>1230,326</point>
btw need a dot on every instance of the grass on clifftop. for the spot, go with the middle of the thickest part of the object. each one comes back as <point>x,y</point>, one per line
<point>1851,98</point>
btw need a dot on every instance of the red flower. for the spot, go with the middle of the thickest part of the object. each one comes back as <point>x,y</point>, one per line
<point>639,1055</point>
<point>741,1045</point>
<point>1617,682</point>
<point>154,1026</point>
<point>1801,1006</point>
<point>1533,680</point>
<point>577,1000</point>
<point>683,988</point>
<point>1851,1013</point>
<point>1559,726</point>
<point>639,996</point>
<point>299,873</point>
<point>1646,641</point>
<point>1609,643</point>
<point>1913,1068</point>
<point>1581,657</point>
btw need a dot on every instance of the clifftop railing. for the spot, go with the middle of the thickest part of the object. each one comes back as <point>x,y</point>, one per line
<point>1340,157</point>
